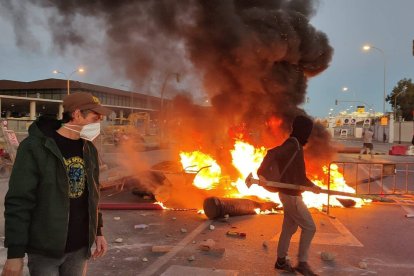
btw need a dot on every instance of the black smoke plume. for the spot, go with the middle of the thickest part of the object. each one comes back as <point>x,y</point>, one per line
<point>253,57</point>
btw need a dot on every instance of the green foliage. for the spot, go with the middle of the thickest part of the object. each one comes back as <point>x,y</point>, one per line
<point>402,99</point>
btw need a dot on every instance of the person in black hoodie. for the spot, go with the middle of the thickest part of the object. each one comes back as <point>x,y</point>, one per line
<point>51,207</point>
<point>296,213</point>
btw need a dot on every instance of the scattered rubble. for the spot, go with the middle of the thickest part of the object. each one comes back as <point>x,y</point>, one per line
<point>141,226</point>
<point>347,203</point>
<point>327,256</point>
<point>174,218</point>
<point>183,230</point>
<point>363,265</point>
<point>212,227</point>
<point>144,259</point>
<point>265,244</point>
<point>409,215</point>
<point>236,234</point>
<point>117,218</point>
<point>191,258</point>
<point>207,245</point>
<point>119,240</point>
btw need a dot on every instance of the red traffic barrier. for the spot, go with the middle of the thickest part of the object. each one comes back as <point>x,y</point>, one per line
<point>130,206</point>
<point>398,150</point>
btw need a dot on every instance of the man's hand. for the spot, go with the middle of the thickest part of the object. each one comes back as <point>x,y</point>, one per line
<point>316,189</point>
<point>101,247</point>
<point>262,181</point>
<point>13,267</point>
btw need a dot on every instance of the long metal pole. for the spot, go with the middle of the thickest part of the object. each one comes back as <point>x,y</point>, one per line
<point>68,87</point>
<point>385,66</point>
<point>385,70</point>
<point>162,102</point>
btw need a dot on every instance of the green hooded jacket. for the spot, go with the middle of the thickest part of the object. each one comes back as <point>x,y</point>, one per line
<point>37,202</point>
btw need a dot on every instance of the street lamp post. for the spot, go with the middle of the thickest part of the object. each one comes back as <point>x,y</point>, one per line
<point>395,113</point>
<point>132,96</point>
<point>369,47</point>
<point>79,70</point>
<point>177,76</point>
<point>395,101</point>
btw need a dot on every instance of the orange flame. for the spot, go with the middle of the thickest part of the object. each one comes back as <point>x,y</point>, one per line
<point>207,170</point>
<point>161,204</point>
<point>247,159</point>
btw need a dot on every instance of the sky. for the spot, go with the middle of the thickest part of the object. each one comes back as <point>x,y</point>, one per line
<point>349,24</point>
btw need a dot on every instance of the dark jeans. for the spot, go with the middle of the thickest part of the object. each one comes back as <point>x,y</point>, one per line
<point>71,264</point>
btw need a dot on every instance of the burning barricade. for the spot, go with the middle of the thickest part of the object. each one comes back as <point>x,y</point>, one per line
<point>199,183</point>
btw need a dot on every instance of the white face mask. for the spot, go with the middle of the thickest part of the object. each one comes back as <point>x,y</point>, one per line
<point>88,132</point>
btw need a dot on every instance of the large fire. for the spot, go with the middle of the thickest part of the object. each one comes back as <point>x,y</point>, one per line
<point>246,159</point>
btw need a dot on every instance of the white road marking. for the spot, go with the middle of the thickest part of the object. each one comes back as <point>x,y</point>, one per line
<point>405,207</point>
<point>179,270</point>
<point>155,266</point>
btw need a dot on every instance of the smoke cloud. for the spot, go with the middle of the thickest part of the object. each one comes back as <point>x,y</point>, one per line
<point>253,58</point>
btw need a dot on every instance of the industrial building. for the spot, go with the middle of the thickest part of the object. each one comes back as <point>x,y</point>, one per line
<point>23,102</point>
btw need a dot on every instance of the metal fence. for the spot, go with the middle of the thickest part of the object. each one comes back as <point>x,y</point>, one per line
<point>374,178</point>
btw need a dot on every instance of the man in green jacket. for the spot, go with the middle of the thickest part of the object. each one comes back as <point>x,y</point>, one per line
<point>51,207</point>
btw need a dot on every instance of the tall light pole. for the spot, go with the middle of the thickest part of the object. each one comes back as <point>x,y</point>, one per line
<point>395,101</point>
<point>368,48</point>
<point>177,78</point>
<point>132,96</point>
<point>79,70</point>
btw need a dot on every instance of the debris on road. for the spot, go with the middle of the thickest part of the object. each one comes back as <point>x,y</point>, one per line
<point>212,227</point>
<point>130,206</point>
<point>265,244</point>
<point>117,218</point>
<point>174,218</point>
<point>141,226</point>
<point>327,256</point>
<point>236,234</point>
<point>118,240</point>
<point>183,230</point>
<point>409,215</point>
<point>215,207</point>
<point>347,203</point>
<point>207,245</point>
<point>161,248</point>
<point>191,258</point>
<point>144,259</point>
<point>363,265</point>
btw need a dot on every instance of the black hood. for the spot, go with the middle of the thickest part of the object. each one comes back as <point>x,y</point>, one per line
<point>301,129</point>
<point>47,124</point>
